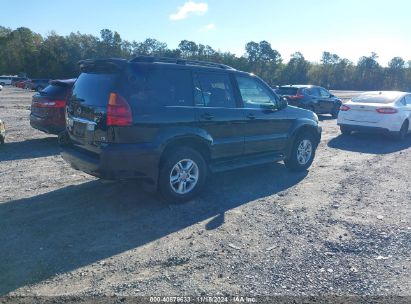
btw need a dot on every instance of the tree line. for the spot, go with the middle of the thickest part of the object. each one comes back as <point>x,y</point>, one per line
<point>56,56</point>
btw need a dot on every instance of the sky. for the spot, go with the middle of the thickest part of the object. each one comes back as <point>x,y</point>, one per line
<point>348,28</point>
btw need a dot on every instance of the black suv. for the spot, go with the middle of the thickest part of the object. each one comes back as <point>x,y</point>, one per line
<point>172,121</point>
<point>314,98</point>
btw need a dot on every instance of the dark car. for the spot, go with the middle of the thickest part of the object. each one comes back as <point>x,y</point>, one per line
<point>15,80</point>
<point>47,107</point>
<point>37,84</point>
<point>310,97</point>
<point>171,121</point>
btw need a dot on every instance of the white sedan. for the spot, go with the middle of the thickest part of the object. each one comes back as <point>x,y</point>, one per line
<point>386,111</point>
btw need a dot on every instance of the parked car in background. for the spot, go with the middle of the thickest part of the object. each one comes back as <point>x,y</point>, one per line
<point>37,84</point>
<point>21,84</point>
<point>5,80</point>
<point>14,80</point>
<point>47,107</point>
<point>171,121</point>
<point>383,112</point>
<point>2,132</point>
<point>310,97</point>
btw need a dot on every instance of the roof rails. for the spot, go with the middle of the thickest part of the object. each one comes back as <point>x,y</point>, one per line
<point>102,63</point>
<point>151,59</point>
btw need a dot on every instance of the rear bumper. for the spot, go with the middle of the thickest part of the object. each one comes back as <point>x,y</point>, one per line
<point>366,129</point>
<point>47,125</point>
<point>116,161</point>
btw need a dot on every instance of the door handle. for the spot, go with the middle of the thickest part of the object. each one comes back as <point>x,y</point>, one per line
<point>250,116</point>
<point>207,116</point>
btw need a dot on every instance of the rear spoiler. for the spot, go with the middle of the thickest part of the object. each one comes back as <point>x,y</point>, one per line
<point>63,82</point>
<point>110,65</point>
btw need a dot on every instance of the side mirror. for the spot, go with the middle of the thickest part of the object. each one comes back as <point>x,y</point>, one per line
<point>268,107</point>
<point>282,103</point>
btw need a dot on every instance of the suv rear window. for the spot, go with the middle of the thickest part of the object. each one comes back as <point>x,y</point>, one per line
<point>287,91</point>
<point>94,88</point>
<point>154,86</point>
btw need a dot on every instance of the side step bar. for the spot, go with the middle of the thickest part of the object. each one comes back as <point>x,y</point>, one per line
<point>231,164</point>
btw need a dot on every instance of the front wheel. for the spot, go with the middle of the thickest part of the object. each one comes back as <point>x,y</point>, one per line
<point>182,174</point>
<point>302,153</point>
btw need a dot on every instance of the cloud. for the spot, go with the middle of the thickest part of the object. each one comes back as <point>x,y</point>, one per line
<point>208,27</point>
<point>190,7</point>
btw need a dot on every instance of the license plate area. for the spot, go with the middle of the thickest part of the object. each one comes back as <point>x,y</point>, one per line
<point>81,128</point>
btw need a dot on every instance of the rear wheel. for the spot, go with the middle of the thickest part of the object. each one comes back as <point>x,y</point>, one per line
<point>182,174</point>
<point>302,153</point>
<point>345,131</point>
<point>403,131</point>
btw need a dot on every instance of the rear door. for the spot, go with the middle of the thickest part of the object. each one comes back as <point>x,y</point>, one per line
<point>267,127</point>
<point>87,109</point>
<point>326,102</point>
<point>218,113</point>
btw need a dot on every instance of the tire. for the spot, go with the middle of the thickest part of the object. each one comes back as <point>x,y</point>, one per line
<point>298,159</point>
<point>174,161</point>
<point>403,131</point>
<point>335,111</point>
<point>345,131</point>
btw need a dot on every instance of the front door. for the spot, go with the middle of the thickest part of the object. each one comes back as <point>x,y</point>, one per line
<point>218,113</point>
<point>267,126</point>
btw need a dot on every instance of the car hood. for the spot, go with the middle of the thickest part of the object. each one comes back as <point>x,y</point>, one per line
<point>294,112</point>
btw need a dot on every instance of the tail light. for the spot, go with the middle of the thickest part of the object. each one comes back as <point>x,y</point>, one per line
<point>344,108</point>
<point>118,111</point>
<point>297,96</point>
<point>387,110</point>
<point>49,104</point>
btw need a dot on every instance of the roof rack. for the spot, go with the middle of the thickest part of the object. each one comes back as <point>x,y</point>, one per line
<point>108,63</point>
<point>152,59</point>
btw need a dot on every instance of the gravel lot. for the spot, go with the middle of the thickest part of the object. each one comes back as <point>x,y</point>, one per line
<point>343,228</point>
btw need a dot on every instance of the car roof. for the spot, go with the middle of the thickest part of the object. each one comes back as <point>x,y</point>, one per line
<point>381,96</point>
<point>67,82</point>
<point>298,86</point>
<point>119,63</point>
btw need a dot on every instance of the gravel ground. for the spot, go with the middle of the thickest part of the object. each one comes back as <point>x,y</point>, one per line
<point>342,228</point>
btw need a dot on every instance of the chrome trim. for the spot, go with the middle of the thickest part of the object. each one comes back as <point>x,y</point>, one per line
<point>82,120</point>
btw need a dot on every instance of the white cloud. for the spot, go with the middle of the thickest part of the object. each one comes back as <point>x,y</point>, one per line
<point>208,27</point>
<point>189,7</point>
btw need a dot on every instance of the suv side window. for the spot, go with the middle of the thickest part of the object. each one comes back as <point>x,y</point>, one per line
<point>161,87</point>
<point>324,93</point>
<point>254,94</point>
<point>213,90</point>
<point>408,100</point>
